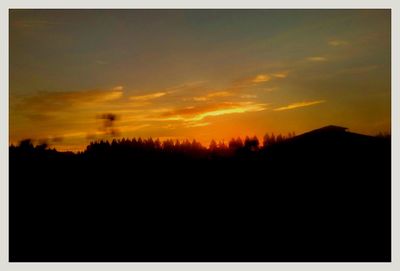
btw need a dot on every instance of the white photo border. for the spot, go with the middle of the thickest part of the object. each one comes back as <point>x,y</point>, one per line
<point>5,5</point>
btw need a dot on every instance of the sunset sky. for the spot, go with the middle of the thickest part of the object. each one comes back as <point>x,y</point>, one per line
<point>204,74</point>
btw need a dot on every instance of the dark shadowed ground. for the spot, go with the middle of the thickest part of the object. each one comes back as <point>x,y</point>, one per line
<point>320,196</point>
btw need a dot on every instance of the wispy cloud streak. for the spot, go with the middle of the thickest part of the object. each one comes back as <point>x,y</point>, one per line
<point>317,59</point>
<point>148,97</point>
<point>298,105</point>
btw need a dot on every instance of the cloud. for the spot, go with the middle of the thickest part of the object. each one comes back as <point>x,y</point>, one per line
<point>248,96</point>
<point>252,81</point>
<point>317,58</point>
<point>261,78</point>
<point>280,75</point>
<point>197,113</point>
<point>336,43</point>
<point>45,102</point>
<point>298,105</point>
<point>188,85</point>
<point>270,89</point>
<point>148,97</point>
<point>118,88</point>
<point>196,124</point>
<point>213,95</point>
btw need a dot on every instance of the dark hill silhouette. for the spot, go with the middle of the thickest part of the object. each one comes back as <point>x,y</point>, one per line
<point>330,140</point>
<point>324,195</point>
<point>333,134</point>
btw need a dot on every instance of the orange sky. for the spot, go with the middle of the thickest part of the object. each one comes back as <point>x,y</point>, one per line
<point>196,74</point>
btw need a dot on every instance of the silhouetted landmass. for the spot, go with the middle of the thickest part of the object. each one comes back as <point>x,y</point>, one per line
<point>321,196</point>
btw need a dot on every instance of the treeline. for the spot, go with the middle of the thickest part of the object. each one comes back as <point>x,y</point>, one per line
<point>150,145</point>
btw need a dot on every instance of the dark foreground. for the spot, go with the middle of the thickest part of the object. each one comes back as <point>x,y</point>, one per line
<point>322,196</point>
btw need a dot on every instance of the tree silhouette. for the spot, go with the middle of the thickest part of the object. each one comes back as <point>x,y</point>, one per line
<point>251,144</point>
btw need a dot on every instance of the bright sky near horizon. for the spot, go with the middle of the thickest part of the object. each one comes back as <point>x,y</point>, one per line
<point>203,74</point>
